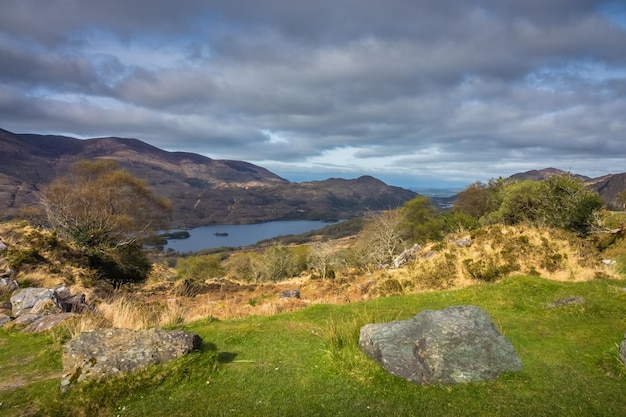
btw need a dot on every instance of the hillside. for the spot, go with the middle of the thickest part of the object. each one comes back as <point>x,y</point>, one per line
<point>309,350</point>
<point>202,190</point>
<point>609,187</point>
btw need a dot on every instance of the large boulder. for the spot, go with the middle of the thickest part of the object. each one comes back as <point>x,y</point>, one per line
<point>108,352</point>
<point>455,345</point>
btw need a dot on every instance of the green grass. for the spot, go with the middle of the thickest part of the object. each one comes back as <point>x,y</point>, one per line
<point>306,363</point>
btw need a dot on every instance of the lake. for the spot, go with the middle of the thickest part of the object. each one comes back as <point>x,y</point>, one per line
<point>204,237</point>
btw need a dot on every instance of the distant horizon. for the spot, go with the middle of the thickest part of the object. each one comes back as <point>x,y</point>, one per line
<point>296,173</point>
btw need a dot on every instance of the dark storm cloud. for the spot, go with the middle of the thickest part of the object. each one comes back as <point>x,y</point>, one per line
<point>463,89</point>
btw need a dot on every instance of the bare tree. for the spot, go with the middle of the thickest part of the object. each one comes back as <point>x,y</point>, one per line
<point>106,212</point>
<point>322,259</point>
<point>381,237</point>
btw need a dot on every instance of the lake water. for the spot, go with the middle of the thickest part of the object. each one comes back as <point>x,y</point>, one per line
<point>204,237</point>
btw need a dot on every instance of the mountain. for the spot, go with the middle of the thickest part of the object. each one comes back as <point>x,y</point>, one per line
<point>607,186</point>
<point>538,175</point>
<point>202,190</point>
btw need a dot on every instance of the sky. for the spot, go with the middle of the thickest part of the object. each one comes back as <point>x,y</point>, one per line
<point>418,93</point>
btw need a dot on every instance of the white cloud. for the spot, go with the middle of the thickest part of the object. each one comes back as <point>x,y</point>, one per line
<point>402,89</point>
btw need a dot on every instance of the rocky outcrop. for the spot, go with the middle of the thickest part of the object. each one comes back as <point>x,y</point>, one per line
<point>108,352</point>
<point>455,345</point>
<point>26,299</point>
<point>41,309</point>
<point>406,256</point>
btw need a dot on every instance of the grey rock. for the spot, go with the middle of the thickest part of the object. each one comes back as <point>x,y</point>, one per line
<point>3,246</point>
<point>6,307</point>
<point>622,351</point>
<point>406,256</point>
<point>566,301</point>
<point>47,322</point>
<point>45,307</point>
<point>456,345</point>
<point>8,284</point>
<point>47,301</point>
<point>27,318</point>
<point>108,352</point>
<point>25,299</point>
<point>4,319</point>
<point>290,294</point>
<point>464,242</point>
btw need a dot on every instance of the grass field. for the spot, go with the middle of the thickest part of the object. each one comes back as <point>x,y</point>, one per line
<point>306,363</point>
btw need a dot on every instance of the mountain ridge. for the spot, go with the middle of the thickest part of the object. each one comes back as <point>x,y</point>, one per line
<point>203,190</point>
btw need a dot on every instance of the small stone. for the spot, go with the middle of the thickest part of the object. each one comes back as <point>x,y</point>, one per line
<point>290,294</point>
<point>566,301</point>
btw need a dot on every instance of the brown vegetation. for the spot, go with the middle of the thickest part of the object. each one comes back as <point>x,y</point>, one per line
<point>169,299</point>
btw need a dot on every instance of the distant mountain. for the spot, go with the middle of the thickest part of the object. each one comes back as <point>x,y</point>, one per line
<point>607,186</point>
<point>202,190</point>
<point>541,174</point>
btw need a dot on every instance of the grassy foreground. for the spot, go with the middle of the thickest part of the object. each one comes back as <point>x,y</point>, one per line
<point>306,363</point>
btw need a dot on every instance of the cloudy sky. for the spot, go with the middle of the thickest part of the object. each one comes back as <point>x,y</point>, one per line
<point>410,91</point>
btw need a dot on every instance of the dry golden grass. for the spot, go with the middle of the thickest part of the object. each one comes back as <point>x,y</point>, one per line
<point>44,260</point>
<point>122,311</point>
<point>498,251</point>
<point>495,252</point>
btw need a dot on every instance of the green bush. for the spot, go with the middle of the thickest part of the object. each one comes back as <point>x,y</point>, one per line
<point>200,267</point>
<point>241,266</point>
<point>560,201</point>
<point>17,258</point>
<point>390,286</point>
<point>120,265</point>
<point>488,270</point>
<point>439,274</point>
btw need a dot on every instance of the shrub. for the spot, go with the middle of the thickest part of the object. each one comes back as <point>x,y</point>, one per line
<point>121,265</point>
<point>560,201</point>
<point>17,258</point>
<point>275,264</point>
<point>439,273</point>
<point>390,286</point>
<point>241,266</point>
<point>483,270</point>
<point>200,267</point>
